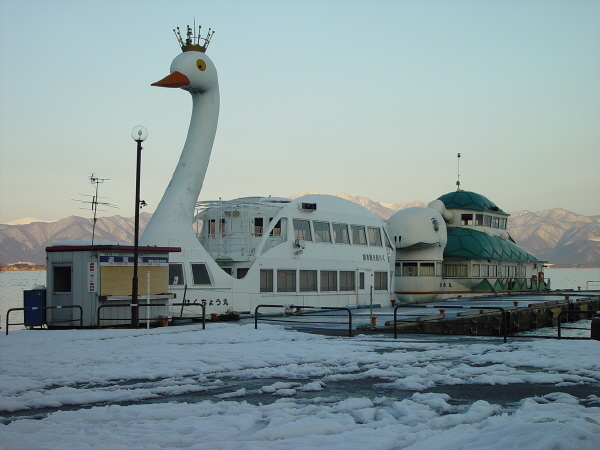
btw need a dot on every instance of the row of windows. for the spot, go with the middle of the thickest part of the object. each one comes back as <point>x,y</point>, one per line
<point>340,233</point>
<point>329,280</point>
<point>484,220</point>
<point>428,269</point>
<point>317,281</point>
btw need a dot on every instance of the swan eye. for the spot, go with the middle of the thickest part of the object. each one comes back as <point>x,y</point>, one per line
<point>201,65</point>
<point>436,224</point>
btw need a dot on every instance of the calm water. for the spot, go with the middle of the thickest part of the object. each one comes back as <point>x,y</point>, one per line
<point>12,285</point>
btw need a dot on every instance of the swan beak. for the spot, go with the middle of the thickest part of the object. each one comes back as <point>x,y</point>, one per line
<point>175,80</point>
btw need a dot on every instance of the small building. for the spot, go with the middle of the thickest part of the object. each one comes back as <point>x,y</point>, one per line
<point>98,277</point>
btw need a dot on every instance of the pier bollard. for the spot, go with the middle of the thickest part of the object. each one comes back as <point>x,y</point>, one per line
<point>213,316</point>
<point>443,312</point>
<point>516,303</point>
<point>566,297</point>
<point>393,302</point>
<point>373,321</point>
<point>596,328</point>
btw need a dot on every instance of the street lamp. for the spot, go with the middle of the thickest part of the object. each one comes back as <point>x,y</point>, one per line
<point>139,135</point>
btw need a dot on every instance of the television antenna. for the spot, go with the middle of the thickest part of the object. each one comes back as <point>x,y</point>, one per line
<point>458,173</point>
<point>96,181</point>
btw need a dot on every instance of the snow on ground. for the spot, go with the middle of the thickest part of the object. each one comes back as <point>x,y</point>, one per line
<point>231,386</point>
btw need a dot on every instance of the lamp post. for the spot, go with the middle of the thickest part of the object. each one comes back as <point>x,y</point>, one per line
<point>139,135</point>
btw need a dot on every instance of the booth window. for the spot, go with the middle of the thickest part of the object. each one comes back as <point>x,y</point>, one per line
<point>62,278</point>
<point>200,274</point>
<point>176,274</point>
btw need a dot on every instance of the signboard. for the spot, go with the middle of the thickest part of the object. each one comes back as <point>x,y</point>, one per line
<point>92,277</point>
<point>126,259</point>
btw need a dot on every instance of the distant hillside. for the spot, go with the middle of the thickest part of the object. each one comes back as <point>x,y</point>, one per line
<point>28,242</point>
<point>556,235</point>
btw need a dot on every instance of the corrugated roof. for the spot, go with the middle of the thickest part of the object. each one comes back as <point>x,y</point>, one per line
<point>468,243</point>
<point>469,200</point>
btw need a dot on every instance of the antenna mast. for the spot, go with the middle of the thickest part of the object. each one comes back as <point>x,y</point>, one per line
<point>458,174</point>
<point>95,201</point>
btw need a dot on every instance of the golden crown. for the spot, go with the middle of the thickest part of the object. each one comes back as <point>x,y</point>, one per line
<point>192,41</point>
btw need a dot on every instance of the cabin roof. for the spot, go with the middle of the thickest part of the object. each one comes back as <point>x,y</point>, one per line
<point>469,200</point>
<point>468,243</point>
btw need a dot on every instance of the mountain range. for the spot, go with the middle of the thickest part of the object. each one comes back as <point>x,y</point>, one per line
<point>556,235</point>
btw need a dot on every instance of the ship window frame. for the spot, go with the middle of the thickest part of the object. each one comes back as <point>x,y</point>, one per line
<point>341,235</point>
<point>259,226</point>
<point>374,234</point>
<point>302,229</point>
<point>308,280</point>
<point>347,281</point>
<point>359,234</point>
<point>286,280</point>
<point>478,220</point>
<point>266,280</point>
<point>466,219</point>
<point>455,270</point>
<point>426,269</point>
<point>322,231</point>
<point>380,281</point>
<point>329,280</point>
<point>180,274</point>
<point>201,274</point>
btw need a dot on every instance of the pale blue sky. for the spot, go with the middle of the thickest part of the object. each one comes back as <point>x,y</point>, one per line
<point>369,98</point>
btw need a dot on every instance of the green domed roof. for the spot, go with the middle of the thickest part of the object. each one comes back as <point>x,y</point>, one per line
<point>469,200</point>
<point>467,243</point>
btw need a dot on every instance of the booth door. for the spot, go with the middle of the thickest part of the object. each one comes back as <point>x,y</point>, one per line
<point>62,295</point>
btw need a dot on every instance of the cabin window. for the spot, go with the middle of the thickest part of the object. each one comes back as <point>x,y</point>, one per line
<point>487,221</point>
<point>398,270</point>
<point>374,236</point>
<point>493,271</point>
<point>258,226</point>
<point>302,230</point>
<point>212,228</point>
<point>512,271</point>
<point>276,231</point>
<point>340,233</point>
<point>455,270</point>
<point>361,280</point>
<point>62,279</point>
<point>176,274</point>
<point>475,270</point>
<point>466,219</point>
<point>479,220</point>
<point>347,280</point>
<point>381,281</point>
<point>241,272</point>
<point>359,236</point>
<point>503,223</point>
<point>485,270</point>
<point>328,280</point>
<point>427,270</point>
<point>266,280</point>
<point>322,233</point>
<point>286,281</point>
<point>200,274</point>
<point>495,222</point>
<point>409,269</point>
<point>308,280</point>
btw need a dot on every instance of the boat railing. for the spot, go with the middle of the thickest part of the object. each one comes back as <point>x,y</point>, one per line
<point>298,309</point>
<point>592,284</point>
<point>501,283</point>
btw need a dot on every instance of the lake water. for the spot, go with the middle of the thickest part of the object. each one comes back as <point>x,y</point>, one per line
<point>12,285</point>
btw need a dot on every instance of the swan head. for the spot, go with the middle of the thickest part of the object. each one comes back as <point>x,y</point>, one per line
<point>192,71</point>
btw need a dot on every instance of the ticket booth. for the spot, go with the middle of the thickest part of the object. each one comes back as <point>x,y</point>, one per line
<point>99,278</point>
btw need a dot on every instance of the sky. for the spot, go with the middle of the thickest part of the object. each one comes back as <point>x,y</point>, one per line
<point>373,99</point>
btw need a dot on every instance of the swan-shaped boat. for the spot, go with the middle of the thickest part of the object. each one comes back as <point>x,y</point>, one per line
<point>317,250</point>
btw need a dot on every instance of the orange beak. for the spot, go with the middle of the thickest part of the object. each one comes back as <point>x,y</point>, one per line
<point>175,80</point>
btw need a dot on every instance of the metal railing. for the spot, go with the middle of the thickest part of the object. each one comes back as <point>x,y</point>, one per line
<point>189,303</point>
<point>503,327</point>
<point>572,311</point>
<point>587,284</point>
<point>32,308</point>
<point>318,308</point>
<point>127,307</point>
